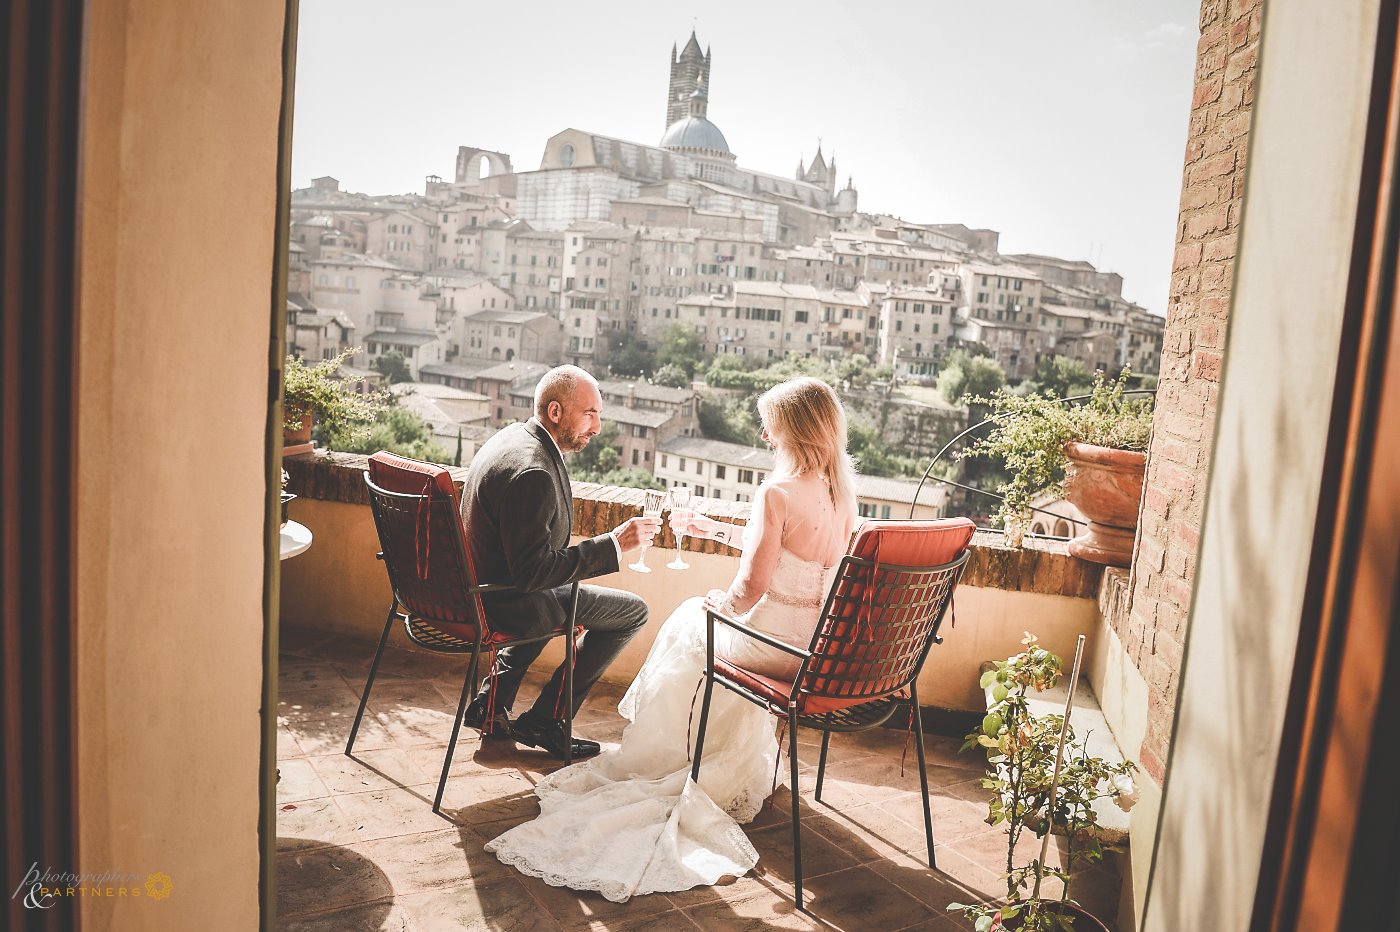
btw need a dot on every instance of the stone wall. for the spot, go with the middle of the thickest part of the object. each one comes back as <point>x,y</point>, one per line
<point>1212,190</point>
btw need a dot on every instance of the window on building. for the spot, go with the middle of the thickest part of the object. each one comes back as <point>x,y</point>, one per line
<point>746,476</point>
<point>699,468</point>
<point>719,471</point>
<point>663,460</point>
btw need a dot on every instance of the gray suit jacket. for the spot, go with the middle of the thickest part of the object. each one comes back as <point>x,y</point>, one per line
<point>519,510</point>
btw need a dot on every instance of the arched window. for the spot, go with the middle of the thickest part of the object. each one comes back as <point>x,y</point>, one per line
<point>566,155</point>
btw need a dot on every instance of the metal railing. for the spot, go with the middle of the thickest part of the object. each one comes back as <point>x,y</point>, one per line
<point>928,473</point>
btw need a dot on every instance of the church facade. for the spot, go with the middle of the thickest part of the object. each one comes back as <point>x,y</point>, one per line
<point>582,175</point>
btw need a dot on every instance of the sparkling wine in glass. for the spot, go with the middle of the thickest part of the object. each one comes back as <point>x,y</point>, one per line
<point>680,506</point>
<point>651,508</point>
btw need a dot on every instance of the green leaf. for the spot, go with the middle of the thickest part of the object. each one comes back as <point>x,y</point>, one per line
<point>987,679</point>
<point>984,924</point>
<point>999,693</point>
<point>991,724</point>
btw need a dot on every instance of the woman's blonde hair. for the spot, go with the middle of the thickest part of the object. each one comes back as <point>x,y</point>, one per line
<point>812,424</point>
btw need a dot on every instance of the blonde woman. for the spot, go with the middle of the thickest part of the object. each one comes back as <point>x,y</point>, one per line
<point>631,821</point>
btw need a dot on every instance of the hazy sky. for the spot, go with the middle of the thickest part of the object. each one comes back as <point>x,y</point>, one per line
<point>1061,124</point>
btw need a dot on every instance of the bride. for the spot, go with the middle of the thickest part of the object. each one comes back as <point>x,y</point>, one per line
<point>631,821</point>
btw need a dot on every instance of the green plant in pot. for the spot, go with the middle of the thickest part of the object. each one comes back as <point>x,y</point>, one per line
<point>1093,454</point>
<point>1042,780</point>
<point>316,393</point>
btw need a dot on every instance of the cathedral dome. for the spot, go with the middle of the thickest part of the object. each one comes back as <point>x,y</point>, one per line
<point>694,132</point>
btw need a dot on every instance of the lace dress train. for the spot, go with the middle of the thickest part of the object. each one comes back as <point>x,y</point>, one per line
<point>631,821</point>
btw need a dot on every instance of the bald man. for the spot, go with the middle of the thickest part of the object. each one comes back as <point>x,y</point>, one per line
<point>519,512</point>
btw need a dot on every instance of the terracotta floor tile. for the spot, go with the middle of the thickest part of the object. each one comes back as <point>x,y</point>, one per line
<point>287,746</point>
<point>466,761</point>
<point>759,911</point>
<point>989,849</point>
<point>341,651</point>
<point>387,768</point>
<point>371,917</point>
<point>312,822</point>
<point>489,797</point>
<point>319,737</point>
<point>297,780</point>
<point>295,674</point>
<point>433,861</point>
<point>858,899</point>
<point>294,705</point>
<point>296,641</point>
<point>326,879</point>
<point>672,921</point>
<point>387,813</point>
<point>934,889</point>
<point>574,909</point>
<point>501,905</point>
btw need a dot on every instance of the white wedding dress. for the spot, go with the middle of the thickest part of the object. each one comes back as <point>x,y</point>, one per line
<point>631,821</point>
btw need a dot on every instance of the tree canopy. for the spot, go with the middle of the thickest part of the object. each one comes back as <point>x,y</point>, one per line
<point>965,375</point>
<point>397,430</point>
<point>393,367</point>
<point>681,347</point>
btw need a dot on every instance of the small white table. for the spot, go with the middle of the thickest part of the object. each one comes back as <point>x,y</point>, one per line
<point>295,539</point>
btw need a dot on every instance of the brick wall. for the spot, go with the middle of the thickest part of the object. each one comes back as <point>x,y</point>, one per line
<point>1212,188</point>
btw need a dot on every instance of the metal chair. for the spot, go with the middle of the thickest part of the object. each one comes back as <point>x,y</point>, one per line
<point>882,615</point>
<point>424,548</point>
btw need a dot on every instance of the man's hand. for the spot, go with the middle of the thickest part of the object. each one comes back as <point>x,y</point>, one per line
<point>634,532</point>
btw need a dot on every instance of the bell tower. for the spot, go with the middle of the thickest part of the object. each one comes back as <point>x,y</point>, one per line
<point>689,73</point>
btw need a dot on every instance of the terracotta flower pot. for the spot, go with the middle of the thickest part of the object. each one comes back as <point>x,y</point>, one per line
<point>1106,485</point>
<point>295,442</point>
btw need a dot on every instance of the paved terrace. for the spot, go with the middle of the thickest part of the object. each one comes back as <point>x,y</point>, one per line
<point>359,847</point>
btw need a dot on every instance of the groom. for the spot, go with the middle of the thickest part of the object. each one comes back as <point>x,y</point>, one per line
<point>519,515</point>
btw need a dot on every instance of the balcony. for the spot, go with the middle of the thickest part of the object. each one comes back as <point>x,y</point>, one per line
<point>358,844</point>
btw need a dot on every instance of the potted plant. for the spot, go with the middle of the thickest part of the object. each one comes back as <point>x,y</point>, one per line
<point>1024,751</point>
<point>316,394</point>
<point>1093,454</point>
<point>286,499</point>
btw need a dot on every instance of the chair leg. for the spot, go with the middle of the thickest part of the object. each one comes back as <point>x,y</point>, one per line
<point>700,734</point>
<point>369,682</point>
<point>468,687</point>
<point>821,765</point>
<point>796,822</point>
<point>923,771</point>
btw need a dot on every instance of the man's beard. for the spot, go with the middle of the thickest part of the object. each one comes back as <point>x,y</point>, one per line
<point>573,443</point>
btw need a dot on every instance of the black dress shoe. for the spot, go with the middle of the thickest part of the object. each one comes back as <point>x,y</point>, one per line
<point>475,717</point>
<point>551,738</point>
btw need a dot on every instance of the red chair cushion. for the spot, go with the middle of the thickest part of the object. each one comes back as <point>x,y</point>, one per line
<point>776,691</point>
<point>913,543</point>
<point>401,474</point>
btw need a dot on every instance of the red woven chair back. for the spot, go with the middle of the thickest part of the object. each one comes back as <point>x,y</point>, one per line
<point>885,609</point>
<point>418,516</point>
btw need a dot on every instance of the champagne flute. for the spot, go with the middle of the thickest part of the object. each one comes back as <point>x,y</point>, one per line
<point>651,508</point>
<point>680,504</point>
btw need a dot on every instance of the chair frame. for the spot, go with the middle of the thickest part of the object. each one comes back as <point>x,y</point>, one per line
<point>421,631</point>
<point>878,709</point>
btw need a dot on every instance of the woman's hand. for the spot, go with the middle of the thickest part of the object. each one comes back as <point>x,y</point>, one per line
<point>692,524</point>
<point>717,599</point>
